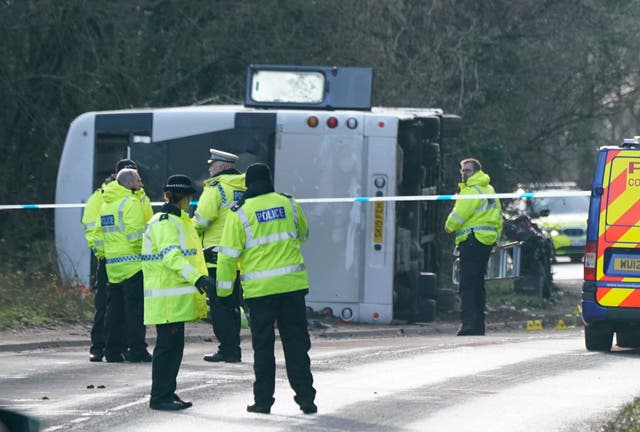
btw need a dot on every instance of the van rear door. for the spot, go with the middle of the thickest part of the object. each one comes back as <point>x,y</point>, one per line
<point>618,268</point>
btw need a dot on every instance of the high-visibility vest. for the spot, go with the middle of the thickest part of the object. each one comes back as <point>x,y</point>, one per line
<point>90,220</point>
<point>483,216</point>
<point>120,227</point>
<point>263,238</point>
<point>147,210</point>
<point>172,261</point>
<point>220,193</point>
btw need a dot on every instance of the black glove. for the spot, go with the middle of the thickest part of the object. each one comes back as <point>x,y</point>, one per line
<point>210,255</point>
<point>204,284</point>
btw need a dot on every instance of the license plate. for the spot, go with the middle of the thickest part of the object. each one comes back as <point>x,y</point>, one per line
<point>626,264</point>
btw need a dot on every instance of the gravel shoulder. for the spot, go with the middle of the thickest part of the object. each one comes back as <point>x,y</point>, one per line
<point>501,315</point>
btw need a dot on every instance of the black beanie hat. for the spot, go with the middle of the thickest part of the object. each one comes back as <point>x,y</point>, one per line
<point>258,172</point>
<point>125,163</point>
<point>179,182</point>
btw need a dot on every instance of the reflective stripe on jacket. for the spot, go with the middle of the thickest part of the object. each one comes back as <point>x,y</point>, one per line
<point>263,238</point>
<point>483,216</point>
<point>218,196</point>
<point>172,262</point>
<point>120,227</point>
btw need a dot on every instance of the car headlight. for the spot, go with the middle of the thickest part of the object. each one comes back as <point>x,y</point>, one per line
<point>554,233</point>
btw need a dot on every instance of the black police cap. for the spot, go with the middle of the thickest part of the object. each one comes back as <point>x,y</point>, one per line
<point>179,182</point>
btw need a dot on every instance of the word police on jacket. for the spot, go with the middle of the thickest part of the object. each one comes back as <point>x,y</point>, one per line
<point>270,214</point>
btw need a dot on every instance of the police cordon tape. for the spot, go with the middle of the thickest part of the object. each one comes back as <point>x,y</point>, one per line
<point>530,195</point>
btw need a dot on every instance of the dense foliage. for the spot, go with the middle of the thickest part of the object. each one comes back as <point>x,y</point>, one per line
<point>540,83</point>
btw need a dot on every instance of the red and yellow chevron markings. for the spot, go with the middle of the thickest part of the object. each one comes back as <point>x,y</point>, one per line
<point>618,297</point>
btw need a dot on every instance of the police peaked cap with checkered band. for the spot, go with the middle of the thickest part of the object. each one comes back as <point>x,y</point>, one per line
<point>219,155</point>
<point>179,182</point>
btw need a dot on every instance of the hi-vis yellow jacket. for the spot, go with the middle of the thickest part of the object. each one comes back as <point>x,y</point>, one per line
<point>120,228</point>
<point>482,216</point>
<point>263,238</point>
<point>90,219</point>
<point>172,262</point>
<point>219,194</point>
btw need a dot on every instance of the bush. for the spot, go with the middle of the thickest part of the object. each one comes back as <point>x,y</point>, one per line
<point>31,293</point>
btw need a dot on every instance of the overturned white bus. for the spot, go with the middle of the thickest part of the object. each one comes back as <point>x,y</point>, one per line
<point>317,130</point>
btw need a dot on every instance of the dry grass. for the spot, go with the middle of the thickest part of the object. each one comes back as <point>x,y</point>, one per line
<point>31,293</point>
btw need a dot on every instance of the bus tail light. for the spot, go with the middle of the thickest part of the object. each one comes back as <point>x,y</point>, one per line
<point>590,258</point>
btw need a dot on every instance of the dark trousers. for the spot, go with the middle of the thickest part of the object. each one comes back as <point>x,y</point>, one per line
<point>474,257</point>
<point>289,311</point>
<point>225,318</point>
<point>98,339</point>
<point>167,357</point>
<point>125,317</point>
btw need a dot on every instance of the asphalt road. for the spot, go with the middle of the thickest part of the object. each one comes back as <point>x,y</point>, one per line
<point>506,381</point>
<point>564,269</point>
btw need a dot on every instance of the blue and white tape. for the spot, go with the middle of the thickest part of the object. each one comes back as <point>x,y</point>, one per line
<point>530,195</point>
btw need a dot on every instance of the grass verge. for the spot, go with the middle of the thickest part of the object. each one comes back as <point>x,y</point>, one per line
<point>31,293</point>
<point>626,420</point>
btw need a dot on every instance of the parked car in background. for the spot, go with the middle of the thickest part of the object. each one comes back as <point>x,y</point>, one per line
<point>564,219</point>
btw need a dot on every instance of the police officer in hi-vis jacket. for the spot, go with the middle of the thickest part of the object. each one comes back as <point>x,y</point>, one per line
<point>263,237</point>
<point>477,224</point>
<point>221,191</point>
<point>175,280</point>
<point>90,221</point>
<point>119,232</point>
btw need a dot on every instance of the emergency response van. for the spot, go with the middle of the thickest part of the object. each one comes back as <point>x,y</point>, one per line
<point>327,146</point>
<point>611,290</point>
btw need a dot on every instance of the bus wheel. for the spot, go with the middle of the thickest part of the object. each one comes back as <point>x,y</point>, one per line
<point>598,337</point>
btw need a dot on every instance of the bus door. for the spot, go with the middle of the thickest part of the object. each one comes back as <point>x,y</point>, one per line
<point>319,162</point>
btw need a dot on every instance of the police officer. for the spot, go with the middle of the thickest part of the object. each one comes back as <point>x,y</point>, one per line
<point>225,187</point>
<point>263,236</point>
<point>175,280</point>
<point>477,224</point>
<point>89,221</point>
<point>121,227</point>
